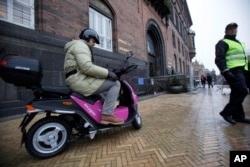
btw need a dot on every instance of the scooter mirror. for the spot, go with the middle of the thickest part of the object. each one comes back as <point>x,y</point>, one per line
<point>129,54</point>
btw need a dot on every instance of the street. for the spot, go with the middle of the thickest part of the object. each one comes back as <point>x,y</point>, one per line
<point>178,130</point>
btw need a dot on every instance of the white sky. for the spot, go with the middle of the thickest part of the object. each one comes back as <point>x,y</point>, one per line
<point>210,18</point>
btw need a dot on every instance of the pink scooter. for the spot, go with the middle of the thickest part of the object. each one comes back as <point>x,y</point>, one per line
<point>68,115</point>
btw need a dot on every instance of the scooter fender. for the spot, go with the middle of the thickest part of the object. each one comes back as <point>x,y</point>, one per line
<point>60,106</point>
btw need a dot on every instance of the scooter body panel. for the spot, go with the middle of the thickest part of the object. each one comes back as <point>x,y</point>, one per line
<point>95,110</point>
<point>133,94</point>
<point>63,105</point>
<point>121,112</point>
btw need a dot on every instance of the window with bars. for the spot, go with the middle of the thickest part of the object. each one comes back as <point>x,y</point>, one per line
<point>20,12</point>
<point>103,26</point>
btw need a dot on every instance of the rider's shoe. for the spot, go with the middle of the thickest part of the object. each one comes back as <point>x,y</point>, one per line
<point>111,119</point>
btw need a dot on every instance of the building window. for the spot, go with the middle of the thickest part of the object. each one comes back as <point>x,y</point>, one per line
<point>150,46</point>
<point>152,59</point>
<point>184,70</point>
<point>173,39</point>
<point>179,47</point>
<point>180,65</point>
<point>103,27</point>
<point>193,44</point>
<point>175,63</point>
<point>20,12</point>
<point>176,21</point>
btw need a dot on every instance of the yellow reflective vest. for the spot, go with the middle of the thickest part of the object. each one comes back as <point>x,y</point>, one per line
<point>236,56</point>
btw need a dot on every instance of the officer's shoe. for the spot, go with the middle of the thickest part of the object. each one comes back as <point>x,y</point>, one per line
<point>228,118</point>
<point>243,120</point>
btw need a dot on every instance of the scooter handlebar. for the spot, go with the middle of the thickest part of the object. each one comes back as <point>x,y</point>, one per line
<point>130,68</point>
<point>126,70</point>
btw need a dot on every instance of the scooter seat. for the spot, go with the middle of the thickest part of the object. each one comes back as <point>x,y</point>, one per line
<point>56,89</point>
<point>51,92</point>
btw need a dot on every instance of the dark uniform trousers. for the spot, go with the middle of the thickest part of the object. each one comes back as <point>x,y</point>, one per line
<point>239,91</point>
<point>248,78</point>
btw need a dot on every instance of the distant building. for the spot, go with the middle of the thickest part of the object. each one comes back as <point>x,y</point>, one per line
<point>198,69</point>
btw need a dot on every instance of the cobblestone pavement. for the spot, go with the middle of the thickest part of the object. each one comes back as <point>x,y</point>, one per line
<point>179,130</point>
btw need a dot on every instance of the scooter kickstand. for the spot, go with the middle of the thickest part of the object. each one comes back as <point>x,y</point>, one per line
<point>92,134</point>
<point>87,124</point>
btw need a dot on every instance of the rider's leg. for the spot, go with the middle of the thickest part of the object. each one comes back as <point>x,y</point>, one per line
<point>111,89</point>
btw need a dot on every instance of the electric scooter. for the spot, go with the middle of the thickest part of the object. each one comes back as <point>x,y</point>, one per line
<point>67,115</point>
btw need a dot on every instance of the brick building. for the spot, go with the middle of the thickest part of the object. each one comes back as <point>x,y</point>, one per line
<point>157,31</point>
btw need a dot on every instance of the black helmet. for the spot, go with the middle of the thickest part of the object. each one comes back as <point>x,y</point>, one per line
<point>86,34</point>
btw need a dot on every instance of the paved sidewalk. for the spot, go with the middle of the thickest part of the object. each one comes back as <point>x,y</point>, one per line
<point>179,130</point>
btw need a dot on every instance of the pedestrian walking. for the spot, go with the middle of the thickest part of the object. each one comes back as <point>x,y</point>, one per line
<point>231,59</point>
<point>209,81</point>
<point>203,80</point>
<point>172,70</point>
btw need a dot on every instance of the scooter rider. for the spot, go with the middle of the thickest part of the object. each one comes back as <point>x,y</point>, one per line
<point>86,78</point>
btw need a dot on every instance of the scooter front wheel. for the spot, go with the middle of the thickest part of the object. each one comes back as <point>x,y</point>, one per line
<point>47,137</point>
<point>137,122</point>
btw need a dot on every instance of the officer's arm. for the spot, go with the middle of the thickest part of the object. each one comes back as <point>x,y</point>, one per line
<point>220,55</point>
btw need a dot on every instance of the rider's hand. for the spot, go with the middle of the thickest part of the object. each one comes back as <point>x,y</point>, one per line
<point>229,76</point>
<point>112,76</point>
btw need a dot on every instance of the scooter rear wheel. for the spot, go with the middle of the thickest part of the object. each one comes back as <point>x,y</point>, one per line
<point>47,137</point>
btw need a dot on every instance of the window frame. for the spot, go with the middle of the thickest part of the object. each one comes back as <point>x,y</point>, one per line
<point>104,31</point>
<point>10,13</point>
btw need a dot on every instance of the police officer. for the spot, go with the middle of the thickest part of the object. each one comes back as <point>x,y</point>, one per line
<point>232,62</point>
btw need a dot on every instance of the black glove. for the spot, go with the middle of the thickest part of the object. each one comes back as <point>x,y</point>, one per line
<point>229,76</point>
<point>112,76</point>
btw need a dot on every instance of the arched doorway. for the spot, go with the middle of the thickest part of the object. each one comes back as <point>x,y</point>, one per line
<point>155,49</point>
